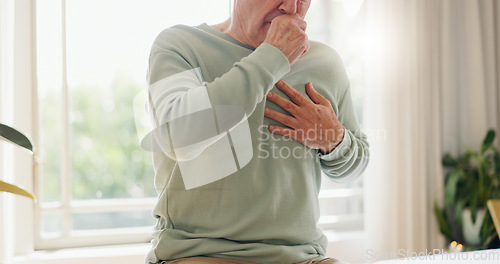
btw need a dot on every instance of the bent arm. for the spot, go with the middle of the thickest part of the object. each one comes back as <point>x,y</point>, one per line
<point>350,158</point>
<point>190,114</point>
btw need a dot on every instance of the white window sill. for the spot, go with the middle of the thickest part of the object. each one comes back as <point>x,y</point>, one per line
<point>343,245</point>
<point>348,246</point>
<point>123,254</point>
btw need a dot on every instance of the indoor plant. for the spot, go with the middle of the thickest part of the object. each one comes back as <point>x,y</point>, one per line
<point>9,134</point>
<point>471,179</point>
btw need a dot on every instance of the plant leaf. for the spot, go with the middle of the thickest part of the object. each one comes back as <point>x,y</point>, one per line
<point>488,140</point>
<point>10,134</point>
<point>473,205</point>
<point>496,159</point>
<point>457,217</point>
<point>7,187</point>
<point>486,227</point>
<point>451,187</point>
<point>443,225</point>
<point>449,161</point>
<point>487,241</point>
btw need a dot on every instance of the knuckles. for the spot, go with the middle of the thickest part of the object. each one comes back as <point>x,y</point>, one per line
<point>287,32</point>
<point>289,22</point>
<point>323,111</point>
<point>287,120</point>
<point>303,38</point>
<point>288,105</point>
<point>294,93</point>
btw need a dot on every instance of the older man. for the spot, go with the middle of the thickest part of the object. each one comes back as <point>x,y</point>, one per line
<point>247,115</point>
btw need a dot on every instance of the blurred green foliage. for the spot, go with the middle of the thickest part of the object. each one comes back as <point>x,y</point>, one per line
<point>106,159</point>
<point>471,180</point>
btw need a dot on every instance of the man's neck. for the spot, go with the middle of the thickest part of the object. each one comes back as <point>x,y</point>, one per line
<point>223,27</point>
<point>227,27</point>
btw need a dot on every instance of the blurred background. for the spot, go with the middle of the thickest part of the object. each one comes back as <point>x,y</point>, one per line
<point>425,82</point>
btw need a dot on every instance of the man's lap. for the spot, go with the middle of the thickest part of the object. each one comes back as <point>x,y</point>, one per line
<point>206,260</point>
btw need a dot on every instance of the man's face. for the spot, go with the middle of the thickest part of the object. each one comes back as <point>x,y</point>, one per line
<point>254,16</point>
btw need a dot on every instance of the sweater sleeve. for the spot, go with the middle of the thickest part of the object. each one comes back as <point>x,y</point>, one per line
<point>190,114</point>
<point>350,158</point>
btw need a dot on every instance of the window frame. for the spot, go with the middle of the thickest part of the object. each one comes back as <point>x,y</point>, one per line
<point>70,238</point>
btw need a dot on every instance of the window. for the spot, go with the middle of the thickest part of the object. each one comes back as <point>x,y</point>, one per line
<point>95,181</point>
<point>340,23</point>
<point>95,184</point>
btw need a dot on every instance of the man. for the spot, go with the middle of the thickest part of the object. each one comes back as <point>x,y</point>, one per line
<point>237,159</point>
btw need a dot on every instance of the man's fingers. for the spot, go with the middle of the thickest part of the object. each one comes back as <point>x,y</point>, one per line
<point>293,94</point>
<point>287,33</point>
<point>298,53</point>
<point>287,105</point>
<point>316,97</point>
<point>286,120</point>
<point>302,24</point>
<point>306,48</point>
<point>302,8</point>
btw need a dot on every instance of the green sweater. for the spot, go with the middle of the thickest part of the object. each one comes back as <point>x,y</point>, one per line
<point>227,187</point>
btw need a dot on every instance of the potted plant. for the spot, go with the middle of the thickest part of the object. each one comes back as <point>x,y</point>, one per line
<point>471,180</point>
<point>9,134</point>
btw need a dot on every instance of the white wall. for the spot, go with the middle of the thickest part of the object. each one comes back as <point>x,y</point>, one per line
<point>16,109</point>
<point>4,106</point>
<point>23,85</point>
